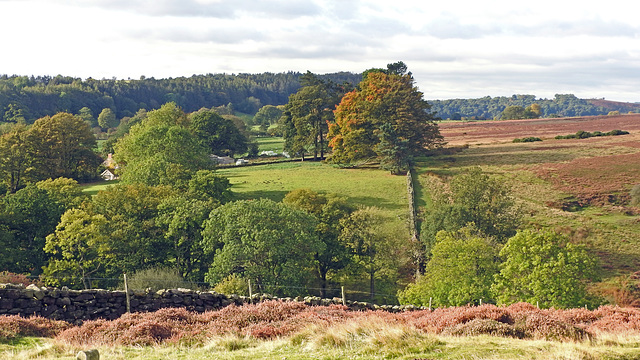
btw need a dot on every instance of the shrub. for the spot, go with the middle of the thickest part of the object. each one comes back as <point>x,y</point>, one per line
<point>233,284</point>
<point>14,326</point>
<point>158,278</point>
<point>527,139</point>
<point>485,327</point>
<point>7,277</point>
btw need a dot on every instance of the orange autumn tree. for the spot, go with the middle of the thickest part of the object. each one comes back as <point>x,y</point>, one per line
<point>386,120</point>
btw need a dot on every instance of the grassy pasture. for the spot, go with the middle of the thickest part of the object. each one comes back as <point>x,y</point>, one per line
<point>576,186</point>
<point>94,187</point>
<point>270,144</point>
<point>366,187</point>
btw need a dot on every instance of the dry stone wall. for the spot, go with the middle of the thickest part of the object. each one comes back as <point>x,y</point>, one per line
<point>76,306</point>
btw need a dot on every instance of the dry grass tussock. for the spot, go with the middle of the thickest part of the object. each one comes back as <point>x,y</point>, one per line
<point>237,327</point>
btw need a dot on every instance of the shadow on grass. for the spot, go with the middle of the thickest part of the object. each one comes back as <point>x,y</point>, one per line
<point>275,195</point>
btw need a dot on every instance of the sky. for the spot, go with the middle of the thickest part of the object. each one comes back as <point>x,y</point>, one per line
<point>454,48</point>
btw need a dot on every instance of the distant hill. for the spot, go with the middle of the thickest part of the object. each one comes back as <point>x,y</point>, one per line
<point>34,97</point>
<point>562,105</point>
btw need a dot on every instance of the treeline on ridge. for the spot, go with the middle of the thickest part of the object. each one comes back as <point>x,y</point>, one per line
<point>27,98</point>
<point>492,108</point>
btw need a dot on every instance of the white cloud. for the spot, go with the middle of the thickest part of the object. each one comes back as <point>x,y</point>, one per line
<point>455,47</point>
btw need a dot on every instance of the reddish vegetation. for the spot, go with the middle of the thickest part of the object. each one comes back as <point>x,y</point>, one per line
<point>457,133</point>
<point>275,319</point>
<point>596,181</point>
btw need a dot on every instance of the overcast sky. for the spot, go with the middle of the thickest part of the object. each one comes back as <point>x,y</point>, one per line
<point>455,49</point>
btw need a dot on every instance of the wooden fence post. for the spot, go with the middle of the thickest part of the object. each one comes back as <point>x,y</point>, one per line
<point>126,291</point>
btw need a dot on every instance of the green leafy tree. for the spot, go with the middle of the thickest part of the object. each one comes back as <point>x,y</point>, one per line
<point>136,238</point>
<point>18,159</point>
<point>67,192</point>
<point>87,115</point>
<point>266,242</point>
<point>268,115</point>
<point>513,112</point>
<point>65,147</point>
<point>377,252</point>
<point>14,114</point>
<point>393,150</point>
<point>107,119</point>
<point>460,272</point>
<point>307,114</point>
<point>473,197</point>
<point>28,216</point>
<point>181,219</point>
<point>383,97</point>
<point>160,150</point>
<point>221,136</point>
<point>206,185</point>
<point>544,268</point>
<point>77,248</point>
<point>329,211</point>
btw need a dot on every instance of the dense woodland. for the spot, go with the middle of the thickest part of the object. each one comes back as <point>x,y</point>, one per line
<point>490,108</point>
<point>31,97</point>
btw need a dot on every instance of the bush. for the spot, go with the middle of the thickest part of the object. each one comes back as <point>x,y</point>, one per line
<point>158,278</point>
<point>527,139</point>
<point>7,277</point>
<point>233,284</point>
<point>14,326</point>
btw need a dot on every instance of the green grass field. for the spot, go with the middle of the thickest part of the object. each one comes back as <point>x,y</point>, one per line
<point>270,144</point>
<point>367,187</point>
<point>94,187</point>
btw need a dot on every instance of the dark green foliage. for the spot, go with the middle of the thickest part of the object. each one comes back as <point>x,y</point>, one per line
<point>329,211</point>
<point>581,134</point>
<point>269,243</point>
<point>35,97</point>
<point>527,139</point>
<point>305,120</point>
<point>492,107</point>
<point>221,136</point>
<point>477,198</point>
<point>26,218</point>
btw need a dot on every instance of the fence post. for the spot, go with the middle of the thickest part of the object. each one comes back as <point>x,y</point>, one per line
<point>126,291</point>
<point>430,303</point>
<point>344,299</point>
<point>250,292</point>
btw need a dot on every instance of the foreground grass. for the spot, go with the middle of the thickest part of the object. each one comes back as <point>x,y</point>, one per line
<point>404,345</point>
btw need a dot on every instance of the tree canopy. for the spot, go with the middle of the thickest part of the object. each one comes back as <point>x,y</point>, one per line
<point>161,150</point>
<point>387,119</point>
<point>267,242</point>
<point>545,268</point>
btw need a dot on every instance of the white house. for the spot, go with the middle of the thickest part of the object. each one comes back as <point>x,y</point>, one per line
<point>108,175</point>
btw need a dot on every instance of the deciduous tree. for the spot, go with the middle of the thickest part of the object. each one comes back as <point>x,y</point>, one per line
<point>329,211</point>
<point>544,268</point>
<point>383,97</point>
<point>460,271</point>
<point>269,243</point>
